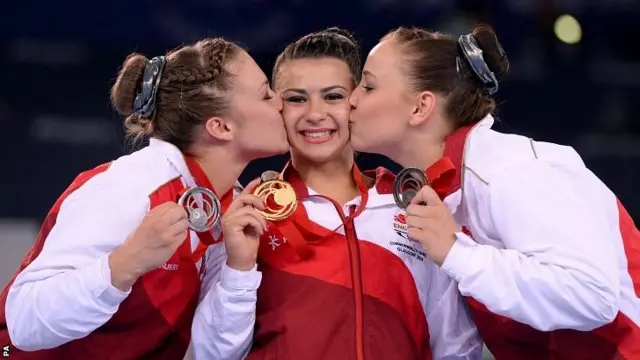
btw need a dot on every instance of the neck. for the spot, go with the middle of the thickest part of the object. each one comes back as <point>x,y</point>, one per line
<point>420,148</point>
<point>222,167</point>
<point>333,179</point>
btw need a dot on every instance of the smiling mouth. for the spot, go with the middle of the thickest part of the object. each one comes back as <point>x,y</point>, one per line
<point>318,136</point>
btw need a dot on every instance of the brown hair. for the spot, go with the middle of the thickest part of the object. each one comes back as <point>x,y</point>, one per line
<point>192,89</point>
<point>332,42</point>
<point>431,64</point>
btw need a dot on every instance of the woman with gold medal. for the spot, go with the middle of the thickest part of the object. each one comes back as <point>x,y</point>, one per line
<point>340,279</point>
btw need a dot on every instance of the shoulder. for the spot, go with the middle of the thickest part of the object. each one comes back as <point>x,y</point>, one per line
<point>127,181</point>
<point>491,155</point>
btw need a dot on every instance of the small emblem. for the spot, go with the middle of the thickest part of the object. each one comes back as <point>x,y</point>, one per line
<point>400,225</point>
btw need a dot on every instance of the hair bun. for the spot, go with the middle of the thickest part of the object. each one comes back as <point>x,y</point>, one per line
<point>124,92</point>
<point>128,84</point>
<point>334,30</point>
<point>139,126</point>
<point>492,50</point>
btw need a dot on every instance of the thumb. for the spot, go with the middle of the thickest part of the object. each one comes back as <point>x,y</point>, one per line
<point>426,195</point>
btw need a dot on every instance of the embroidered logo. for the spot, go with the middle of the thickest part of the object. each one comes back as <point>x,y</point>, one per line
<point>168,267</point>
<point>400,225</point>
<point>274,241</point>
<point>413,248</point>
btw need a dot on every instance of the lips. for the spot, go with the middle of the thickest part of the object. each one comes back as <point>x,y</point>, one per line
<point>317,136</point>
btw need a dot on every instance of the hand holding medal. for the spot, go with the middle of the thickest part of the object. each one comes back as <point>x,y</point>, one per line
<point>428,219</point>
<point>278,196</point>
<point>242,226</point>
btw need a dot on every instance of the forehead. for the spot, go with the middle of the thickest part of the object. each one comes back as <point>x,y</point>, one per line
<point>384,59</point>
<point>311,73</point>
<point>246,70</point>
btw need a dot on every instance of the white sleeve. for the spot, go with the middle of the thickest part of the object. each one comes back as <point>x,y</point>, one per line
<point>66,292</point>
<point>224,321</point>
<point>559,269</point>
<point>452,333</point>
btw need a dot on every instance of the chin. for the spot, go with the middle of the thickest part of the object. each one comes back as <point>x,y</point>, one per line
<point>314,156</point>
<point>269,152</point>
<point>284,150</point>
<point>319,158</point>
<point>281,147</point>
<point>357,145</point>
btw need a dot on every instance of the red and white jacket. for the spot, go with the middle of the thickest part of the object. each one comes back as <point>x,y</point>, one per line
<point>61,304</point>
<point>344,282</point>
<point>548,257</point>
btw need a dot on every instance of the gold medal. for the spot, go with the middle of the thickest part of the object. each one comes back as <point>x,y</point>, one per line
<point>279,198</point>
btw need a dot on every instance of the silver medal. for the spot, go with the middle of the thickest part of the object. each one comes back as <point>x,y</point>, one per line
<point>269,175</point>
<point>407,184</point>
<point>203,208</point>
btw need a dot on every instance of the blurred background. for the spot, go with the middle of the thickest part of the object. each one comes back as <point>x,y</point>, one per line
<point>575,78</point>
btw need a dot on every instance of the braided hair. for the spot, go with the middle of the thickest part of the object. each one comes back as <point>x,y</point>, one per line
<point>192,88</point>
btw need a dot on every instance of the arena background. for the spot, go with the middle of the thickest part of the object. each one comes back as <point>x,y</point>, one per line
<point>575,79</point>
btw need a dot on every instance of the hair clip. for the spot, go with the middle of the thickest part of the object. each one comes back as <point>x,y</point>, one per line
<point>145,102</point>
<point>473,55</point>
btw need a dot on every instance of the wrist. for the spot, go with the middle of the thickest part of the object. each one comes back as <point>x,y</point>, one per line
<point>123,273</point>
<point>241,265</point>
<point>444,248</point>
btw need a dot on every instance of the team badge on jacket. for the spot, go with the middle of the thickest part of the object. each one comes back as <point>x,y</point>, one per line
<point>400,224</point>
<point>410,247</point>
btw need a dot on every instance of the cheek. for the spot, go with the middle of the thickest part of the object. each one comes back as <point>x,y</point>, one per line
<point>290,115</point>
<point>384,105</point>
<point>263,110</point>
<point>380,115</point>
<point>270,120</point>
<point>341,114</point>
<point>370,107</point>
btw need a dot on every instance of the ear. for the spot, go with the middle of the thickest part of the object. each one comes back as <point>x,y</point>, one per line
<point>425,104</point>
<point>219,128</point>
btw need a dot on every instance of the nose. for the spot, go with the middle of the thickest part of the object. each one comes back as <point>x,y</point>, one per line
<point>353,100</point>
<point>316,111</point>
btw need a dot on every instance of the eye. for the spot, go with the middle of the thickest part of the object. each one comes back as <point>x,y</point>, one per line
<point>366,88</point>
<point>334,96</point>
<point>268,94</point>
<point>295,99</point>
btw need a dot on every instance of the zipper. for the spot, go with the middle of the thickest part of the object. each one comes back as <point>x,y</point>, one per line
<point>356,280</point>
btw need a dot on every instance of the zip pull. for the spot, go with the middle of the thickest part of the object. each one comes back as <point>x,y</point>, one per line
<point>351,210</point>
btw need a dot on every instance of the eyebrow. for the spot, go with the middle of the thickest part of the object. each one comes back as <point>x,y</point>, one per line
<point>368,73</point>
<point>323,90</point>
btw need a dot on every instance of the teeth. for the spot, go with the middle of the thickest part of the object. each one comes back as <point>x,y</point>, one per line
<point>316,134</point>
